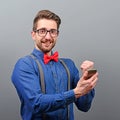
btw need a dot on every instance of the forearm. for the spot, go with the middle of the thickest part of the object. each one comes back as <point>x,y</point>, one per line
<point>51,102</point>
<point>84,102</point>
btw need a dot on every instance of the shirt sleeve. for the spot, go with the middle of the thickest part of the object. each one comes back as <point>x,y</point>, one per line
<point>26,82</point>
<point>84,102</point>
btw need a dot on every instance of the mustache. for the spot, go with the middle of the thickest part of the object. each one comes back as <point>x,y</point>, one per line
<point>46,40</point>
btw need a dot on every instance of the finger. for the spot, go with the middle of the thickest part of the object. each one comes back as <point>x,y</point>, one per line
<point>94,80</point>
<point>95,75</point>
<point>94,83</point>
<point>85,75</point>
<point>87,65</point>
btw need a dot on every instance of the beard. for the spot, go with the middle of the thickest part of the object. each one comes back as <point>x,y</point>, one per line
<point>46,45</point>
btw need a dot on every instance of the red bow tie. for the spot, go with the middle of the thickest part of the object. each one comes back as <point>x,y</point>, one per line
<point>52,57</point>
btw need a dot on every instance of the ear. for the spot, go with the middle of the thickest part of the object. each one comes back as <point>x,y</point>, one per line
<point>33,34</point>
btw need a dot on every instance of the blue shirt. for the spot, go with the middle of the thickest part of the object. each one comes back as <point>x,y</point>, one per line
<point>54,103</point>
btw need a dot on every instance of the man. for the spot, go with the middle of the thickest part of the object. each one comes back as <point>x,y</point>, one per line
<point>53,105</point>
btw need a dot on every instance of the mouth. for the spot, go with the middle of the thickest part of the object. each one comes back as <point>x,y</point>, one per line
<point>47,43</point>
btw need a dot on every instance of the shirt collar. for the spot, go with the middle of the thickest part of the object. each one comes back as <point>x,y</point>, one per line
<point>37,53</point>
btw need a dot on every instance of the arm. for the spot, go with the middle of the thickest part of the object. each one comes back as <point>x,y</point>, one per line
<point>26,81</point>
<point>84,91</point>
<point>84,96</point>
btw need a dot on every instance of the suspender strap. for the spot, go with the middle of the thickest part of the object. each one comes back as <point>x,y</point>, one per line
<point>68,73</point>
<point>43,84</point>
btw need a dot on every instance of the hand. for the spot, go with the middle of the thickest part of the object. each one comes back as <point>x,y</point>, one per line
<point>86,65</point>
<point>85,86</point>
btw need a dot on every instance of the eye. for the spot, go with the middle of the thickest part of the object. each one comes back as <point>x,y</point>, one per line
<point>53,31</point>
<point>42,31</point>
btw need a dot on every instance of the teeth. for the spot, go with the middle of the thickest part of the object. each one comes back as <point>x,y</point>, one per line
<point>47,43</point>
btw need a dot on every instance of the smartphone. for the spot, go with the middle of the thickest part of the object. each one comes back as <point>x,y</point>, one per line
<point>91,72</point>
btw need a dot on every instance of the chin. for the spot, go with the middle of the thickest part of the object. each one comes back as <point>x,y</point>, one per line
<point>47,50</point>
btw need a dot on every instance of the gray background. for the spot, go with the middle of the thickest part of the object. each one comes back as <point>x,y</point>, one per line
<point>90,30</point>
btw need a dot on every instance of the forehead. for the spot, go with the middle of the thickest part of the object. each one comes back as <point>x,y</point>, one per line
<point>45,23</point>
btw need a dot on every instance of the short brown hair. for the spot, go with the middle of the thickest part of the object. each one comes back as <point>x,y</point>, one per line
<point>46,14</point>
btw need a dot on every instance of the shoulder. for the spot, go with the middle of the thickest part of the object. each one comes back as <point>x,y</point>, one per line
<point>74,72</point>
<point>69,62</point>
<point>24,62</point>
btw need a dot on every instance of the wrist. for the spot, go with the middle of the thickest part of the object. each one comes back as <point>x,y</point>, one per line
<point>77,93</point>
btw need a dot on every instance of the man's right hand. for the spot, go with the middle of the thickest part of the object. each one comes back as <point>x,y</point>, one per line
<point>85,86</point>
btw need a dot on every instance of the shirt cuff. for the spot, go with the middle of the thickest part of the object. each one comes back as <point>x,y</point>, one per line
<point>69,97</point>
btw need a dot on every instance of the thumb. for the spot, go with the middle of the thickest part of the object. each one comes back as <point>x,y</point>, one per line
<point>85,75</point>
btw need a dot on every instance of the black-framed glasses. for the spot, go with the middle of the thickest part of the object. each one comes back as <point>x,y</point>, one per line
<point>43,32</point>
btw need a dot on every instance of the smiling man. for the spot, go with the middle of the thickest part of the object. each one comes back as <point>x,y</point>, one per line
<point>57,101</point>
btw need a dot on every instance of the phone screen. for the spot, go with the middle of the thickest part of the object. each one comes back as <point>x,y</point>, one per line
<point>91,72</point>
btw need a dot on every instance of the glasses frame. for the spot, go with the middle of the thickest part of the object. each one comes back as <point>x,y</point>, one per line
<point>50,32</point>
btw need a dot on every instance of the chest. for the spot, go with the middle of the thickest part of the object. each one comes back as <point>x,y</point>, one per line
<point>56,78</point>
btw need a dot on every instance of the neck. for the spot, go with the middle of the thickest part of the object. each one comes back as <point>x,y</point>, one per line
<point>48,53</point>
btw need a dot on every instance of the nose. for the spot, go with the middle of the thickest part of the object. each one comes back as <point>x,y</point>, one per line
<point>48,36</point>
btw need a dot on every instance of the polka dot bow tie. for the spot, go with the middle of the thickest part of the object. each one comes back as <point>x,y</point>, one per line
<point>52,57</point>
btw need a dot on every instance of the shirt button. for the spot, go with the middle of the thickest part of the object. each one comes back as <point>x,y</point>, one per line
<point>54,75</point>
